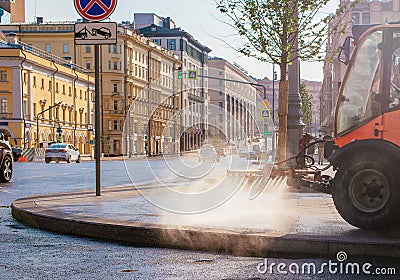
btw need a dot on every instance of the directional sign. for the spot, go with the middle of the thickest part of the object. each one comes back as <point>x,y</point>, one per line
<point>192,75</point>
<point>95,33</point>
<point>95,10</point>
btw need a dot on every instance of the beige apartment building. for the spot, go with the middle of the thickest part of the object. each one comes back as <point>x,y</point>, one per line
<point>365,12</point>
<point>232,110</point>
<point>43,98</point>
<point>137,85</point>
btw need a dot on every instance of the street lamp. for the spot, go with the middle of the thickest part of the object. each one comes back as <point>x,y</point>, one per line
<point>37,121</point>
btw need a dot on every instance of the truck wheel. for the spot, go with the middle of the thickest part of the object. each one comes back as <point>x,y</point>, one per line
<point>365,193</point>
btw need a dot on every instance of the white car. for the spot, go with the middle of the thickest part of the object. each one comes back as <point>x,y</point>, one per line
<point>60,151</point>
<point>207,153</point>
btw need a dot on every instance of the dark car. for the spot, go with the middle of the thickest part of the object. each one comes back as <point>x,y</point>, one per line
<point>6,160</point>
<point>102,31</point>
<point>17,153</point>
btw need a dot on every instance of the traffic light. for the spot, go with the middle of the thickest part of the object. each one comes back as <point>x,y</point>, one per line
<point>265,129</point>
<point>59,138</point>
<point>180,73</point>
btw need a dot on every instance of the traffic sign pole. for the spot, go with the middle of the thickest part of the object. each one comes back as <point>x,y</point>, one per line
<point>96,10</point>
<point>97,114</point>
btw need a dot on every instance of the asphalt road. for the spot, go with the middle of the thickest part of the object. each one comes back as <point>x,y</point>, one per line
<point>27,253</point>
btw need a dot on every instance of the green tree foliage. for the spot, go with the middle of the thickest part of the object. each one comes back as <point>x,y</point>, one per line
<point>280,31</point>
<point>306,106</point>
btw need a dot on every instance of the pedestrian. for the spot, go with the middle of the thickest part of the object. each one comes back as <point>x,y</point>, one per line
<point>321,150</point>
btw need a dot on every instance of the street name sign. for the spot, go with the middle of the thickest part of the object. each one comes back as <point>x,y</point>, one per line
<point>95,33</point>
<point>95,10</point>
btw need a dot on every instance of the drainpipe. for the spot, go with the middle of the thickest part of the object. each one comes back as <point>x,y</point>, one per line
<point>74,86</point>
<point>149,103</point>
<point>53,94</point>
<point>22,94</point>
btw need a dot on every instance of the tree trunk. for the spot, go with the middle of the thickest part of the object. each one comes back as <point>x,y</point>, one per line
<point>282,117</point>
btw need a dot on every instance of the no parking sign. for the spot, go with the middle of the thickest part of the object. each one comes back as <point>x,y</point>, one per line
<point>95,10</point>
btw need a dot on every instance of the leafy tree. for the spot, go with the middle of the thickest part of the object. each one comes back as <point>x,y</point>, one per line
<point>306,106</point>
<point>280,31</point>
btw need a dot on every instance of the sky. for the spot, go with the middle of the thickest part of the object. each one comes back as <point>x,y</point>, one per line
<point>198,17</point>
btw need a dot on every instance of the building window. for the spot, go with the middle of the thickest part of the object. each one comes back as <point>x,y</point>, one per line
<point>42,87</point>
<point>34,81</point>
<point>66,49</point>
<point>115,65</point>
<point>109,48</point>
<point>157,41</point>
<point>26,108</point>
<point>48,48</point>
<point>88,66</point>
<point>220,93</point>
<point>109,65</point>
<point>3,76</point>
<point>115,105</point>
<point>356,18</point>
<point>4,105</point>
<point>115,88</point>
<point>63,92</point>
<point>172,44</point>
<point>221,105</point>
<point>115,48</point>
<point>115,125</point>
<point>88,50</point>
<point>365,18</point>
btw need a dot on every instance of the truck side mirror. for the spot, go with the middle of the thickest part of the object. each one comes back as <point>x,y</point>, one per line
<point>344,53</point>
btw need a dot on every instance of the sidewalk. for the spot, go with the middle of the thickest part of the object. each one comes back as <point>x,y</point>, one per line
<point>135,157</point>
<point>282,223</point>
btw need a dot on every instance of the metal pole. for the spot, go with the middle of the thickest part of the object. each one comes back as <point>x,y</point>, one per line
<point>97,117</point>
<point>295,125</point>
<point>273,93</point>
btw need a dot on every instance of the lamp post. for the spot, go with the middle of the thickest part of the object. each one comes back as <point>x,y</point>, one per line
<point>37,121</point>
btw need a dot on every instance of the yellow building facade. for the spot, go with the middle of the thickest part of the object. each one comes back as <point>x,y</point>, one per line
<point>137,85</point>
<point>44,99</point>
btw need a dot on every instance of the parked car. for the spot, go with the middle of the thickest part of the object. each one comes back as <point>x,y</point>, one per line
<point>207,153</point>
<point>257,150</point>
<point>221,152</point>
<point>243,153</point>
<point>251,155</point>
<point>17,153</point>
<point>62,152</point>
<point>6,160</point>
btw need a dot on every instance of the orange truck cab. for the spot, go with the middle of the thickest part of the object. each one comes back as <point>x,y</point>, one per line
<point>366,149</point>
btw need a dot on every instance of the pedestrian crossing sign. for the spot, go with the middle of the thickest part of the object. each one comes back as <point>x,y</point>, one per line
<point>265,114</point>
<point>192,75</point>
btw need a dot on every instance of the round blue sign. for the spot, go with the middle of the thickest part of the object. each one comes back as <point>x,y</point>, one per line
<point>95,10</point>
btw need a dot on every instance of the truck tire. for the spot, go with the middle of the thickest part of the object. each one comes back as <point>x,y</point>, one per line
<point>365,193</point>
